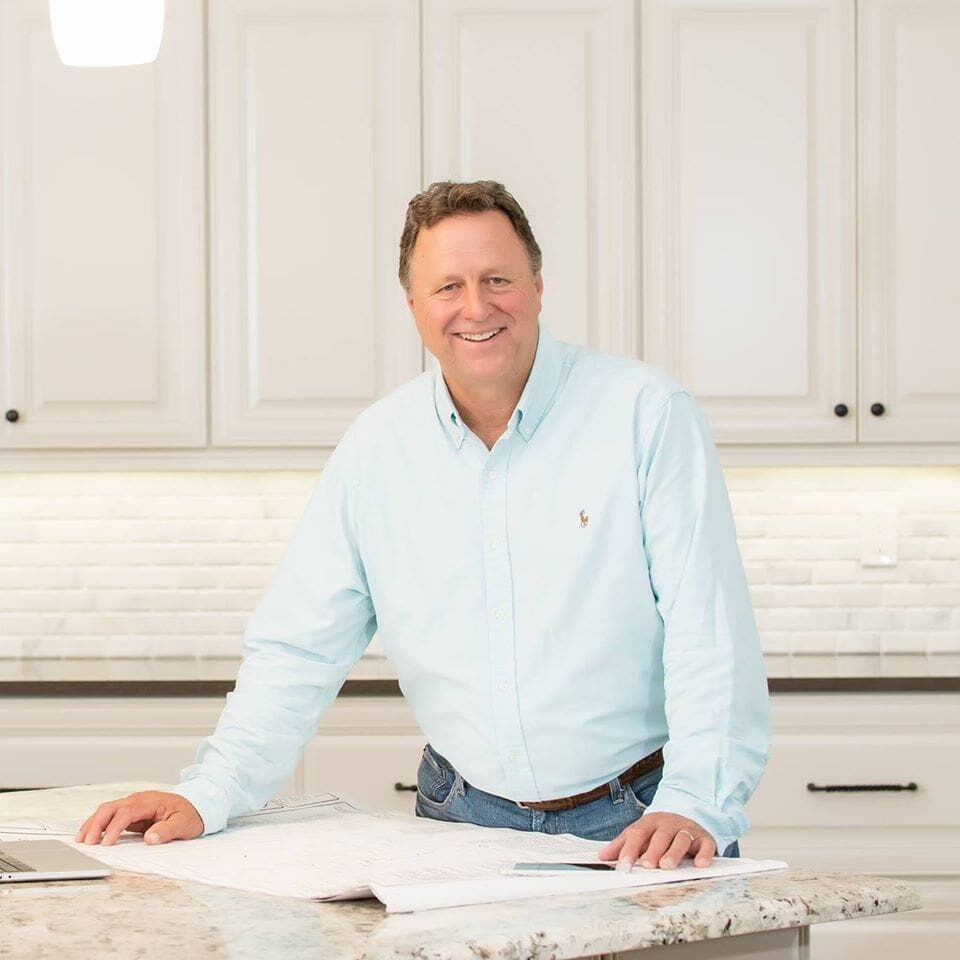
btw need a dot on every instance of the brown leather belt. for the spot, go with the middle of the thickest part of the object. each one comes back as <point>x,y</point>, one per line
<point>641,767</point>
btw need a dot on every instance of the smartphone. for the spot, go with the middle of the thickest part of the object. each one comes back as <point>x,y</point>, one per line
<point>546,868</point>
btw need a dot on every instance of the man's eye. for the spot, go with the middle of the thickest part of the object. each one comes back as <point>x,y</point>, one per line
<point>497,281</point>
<point>448,288</point>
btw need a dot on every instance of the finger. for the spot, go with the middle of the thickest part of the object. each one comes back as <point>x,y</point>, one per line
<point>705,851</point>
<point>635,841</point>
<point>180,825</point>
<point>612,849</point>
<point>677,850</point>
<point>657,847</point>
<point>94,824</point>
<point>142,808</point>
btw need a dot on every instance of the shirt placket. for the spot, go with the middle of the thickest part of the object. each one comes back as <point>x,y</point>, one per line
<point>501,624</point>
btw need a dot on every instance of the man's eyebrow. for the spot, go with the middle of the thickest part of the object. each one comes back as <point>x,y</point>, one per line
<point>495,271</point>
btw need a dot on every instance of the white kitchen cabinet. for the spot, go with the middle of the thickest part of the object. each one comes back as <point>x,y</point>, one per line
<point>364,746</point>
<point>747,178</point>
<point>539,94</point>
<point>792,162</point>
<point>367,749</point>
<point>67,741</point>
<point>314,154</point>
<point>102,242</point>
<point>802,215</point>
<point>865,741</point>
<point>909,221</point>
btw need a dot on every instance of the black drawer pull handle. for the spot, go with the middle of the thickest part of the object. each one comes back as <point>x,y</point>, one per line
<point>864,788</point>
<point>405,786</point>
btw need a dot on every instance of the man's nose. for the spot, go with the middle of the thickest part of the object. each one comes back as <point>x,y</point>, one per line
<point>475,304</point>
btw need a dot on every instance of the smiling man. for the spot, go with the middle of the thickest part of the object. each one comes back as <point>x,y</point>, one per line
<point>542,540</point>
<point>474,292</point>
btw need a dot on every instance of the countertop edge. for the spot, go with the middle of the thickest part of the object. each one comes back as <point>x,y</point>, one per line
<point>383,687</point>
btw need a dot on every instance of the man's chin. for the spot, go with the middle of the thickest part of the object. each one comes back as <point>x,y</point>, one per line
<point>479,375</point>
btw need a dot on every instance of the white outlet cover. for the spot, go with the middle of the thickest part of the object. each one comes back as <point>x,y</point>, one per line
<point>878,539</point>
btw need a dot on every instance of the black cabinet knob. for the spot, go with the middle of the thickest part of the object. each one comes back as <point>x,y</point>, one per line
<point>878,409</point>
<point>12,416</point>
<point>841,409</point>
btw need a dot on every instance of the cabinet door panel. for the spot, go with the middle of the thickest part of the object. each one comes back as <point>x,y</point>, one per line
<point>101,200</point>
<point>109,757</point>
<point>314,156</point>
<point>64,760</point>
<point>539,95</point>
<point>364,747</point>
<point>748,211</point>
<point>910,219</point>
<point>365,769</point>
<point>67,741</point>
<point>932,932</point>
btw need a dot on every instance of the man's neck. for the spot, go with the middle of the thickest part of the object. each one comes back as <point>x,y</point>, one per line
<point>486,408</point>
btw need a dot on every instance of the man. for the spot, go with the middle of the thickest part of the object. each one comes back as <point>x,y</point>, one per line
<point>542,540</point>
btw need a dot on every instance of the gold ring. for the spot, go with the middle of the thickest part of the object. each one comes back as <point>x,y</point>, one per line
<point>693,839</point>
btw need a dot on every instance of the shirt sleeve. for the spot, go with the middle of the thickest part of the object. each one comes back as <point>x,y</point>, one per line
<point>717,705</point>
<point>312,625</point>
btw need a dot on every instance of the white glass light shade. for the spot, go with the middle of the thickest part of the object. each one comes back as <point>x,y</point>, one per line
<point>107,33</point>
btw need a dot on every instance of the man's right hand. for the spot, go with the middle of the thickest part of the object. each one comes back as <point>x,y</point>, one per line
<point>158,816</point>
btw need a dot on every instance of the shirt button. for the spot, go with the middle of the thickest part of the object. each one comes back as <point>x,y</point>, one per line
<point>494,543</point>
<point>503,684</point>
<point>492,474</point>
<point>499,614</point>
<point>513,756</point>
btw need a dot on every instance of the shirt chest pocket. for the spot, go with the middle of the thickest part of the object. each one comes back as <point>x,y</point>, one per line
<point>578,528</point>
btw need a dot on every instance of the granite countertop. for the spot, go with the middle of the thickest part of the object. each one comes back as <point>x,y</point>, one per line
<point>372,676</point>
<point>133,915</point>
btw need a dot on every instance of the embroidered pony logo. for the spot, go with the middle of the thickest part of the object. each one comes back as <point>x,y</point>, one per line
<point>584,519</point>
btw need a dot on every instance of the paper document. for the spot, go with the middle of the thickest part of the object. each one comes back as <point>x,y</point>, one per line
<point>408,897</point>
<point>283,809</point>
<point>324,848</point>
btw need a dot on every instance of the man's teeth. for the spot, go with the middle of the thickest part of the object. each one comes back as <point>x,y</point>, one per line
<point>477,337</point>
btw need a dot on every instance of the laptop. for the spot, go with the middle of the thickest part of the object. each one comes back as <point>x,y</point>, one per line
<point>46,860</point>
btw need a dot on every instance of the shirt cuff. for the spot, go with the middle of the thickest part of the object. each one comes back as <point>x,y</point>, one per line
<point>722,827</point>
<point>210,802</point>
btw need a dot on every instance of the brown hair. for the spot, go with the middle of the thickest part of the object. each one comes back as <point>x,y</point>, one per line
<point>447,198</point>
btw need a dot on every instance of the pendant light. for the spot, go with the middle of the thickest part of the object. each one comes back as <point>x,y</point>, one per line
<point>106,33</point>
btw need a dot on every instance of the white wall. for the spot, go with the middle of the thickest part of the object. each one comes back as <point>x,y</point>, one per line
<point>171,564</point>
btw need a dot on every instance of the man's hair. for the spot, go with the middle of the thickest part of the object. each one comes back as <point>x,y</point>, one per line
<point>447,198</point>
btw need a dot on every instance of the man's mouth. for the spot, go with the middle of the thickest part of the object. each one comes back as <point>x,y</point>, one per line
<point>479,337</point>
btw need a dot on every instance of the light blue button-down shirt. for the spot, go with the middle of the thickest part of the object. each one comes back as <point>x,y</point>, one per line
<point>556,608</point>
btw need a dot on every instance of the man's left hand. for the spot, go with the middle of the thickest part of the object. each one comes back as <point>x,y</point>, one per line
<point>661,840</point>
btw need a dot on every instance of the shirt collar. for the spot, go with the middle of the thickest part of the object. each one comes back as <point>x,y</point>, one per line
<point>447,412</point>
<point>535,400</point>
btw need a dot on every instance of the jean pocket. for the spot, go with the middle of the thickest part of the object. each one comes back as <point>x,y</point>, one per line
<point>435,781</point>
<point>639,793</point>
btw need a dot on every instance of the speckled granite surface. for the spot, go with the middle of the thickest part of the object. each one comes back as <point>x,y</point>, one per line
<point>140,916</point>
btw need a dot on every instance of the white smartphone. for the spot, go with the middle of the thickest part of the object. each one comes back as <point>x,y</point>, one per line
<point>545,869</point>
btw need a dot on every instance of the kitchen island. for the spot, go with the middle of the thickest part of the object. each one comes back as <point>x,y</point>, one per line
<point>760,916</point>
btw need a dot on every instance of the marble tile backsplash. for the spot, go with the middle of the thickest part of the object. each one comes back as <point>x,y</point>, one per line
<point>171,564</point>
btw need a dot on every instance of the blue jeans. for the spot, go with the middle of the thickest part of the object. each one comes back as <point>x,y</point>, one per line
<point>442,794</point>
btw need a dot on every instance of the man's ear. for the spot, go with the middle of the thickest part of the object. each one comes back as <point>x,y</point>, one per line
<point>538,283</point>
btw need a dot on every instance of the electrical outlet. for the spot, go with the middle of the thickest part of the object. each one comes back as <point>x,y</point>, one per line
<point>878,539</point>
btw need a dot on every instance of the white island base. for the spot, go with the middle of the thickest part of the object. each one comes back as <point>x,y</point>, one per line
<point>793,944</point>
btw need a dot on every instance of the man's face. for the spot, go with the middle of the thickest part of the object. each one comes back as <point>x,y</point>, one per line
<point>470,277</point>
